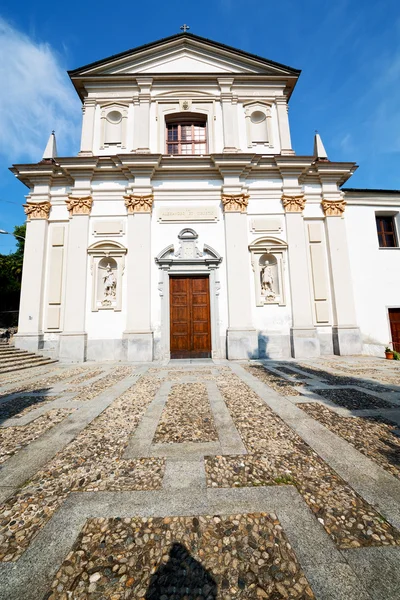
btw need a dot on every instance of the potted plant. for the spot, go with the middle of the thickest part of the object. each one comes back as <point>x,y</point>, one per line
<point>389,353</point>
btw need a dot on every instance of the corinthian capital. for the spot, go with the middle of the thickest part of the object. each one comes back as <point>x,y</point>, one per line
<point>37,210</point>
<point>293,203</point>
<point>139,204</point>
<point>79,205</point>
<point>333,208</point>
<point>236,203</point>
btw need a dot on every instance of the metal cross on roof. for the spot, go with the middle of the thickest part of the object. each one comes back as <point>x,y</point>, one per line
<point>185,28</point>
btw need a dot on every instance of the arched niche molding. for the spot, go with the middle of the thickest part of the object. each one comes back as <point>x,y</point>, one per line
<point>259,124</point>
<point>114,118</point>
<point>107,263</point>
<point>171,108</point>
<point>185,258</point>
<point>268,259</point>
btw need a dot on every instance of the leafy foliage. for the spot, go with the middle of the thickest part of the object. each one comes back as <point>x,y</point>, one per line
<point>11,273</point>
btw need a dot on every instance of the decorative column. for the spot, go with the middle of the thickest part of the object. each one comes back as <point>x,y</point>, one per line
<point>242,338</point>
<point>30,324</point>
<point>141,133</point>
<point>283,122</point>
<point>88,109</point>
<point>346,334</point>
<point>138,334</point>
<point>303,335</point>
<point>229,114</point>
<point>73,340</point>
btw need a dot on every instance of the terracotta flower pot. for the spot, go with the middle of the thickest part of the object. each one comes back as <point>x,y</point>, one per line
<point>389,355</point>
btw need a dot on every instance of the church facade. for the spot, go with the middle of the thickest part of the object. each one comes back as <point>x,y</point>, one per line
<point>188,227</point>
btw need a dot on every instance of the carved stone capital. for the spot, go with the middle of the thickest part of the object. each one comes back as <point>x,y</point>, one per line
<point>293,204</point>
<point>333,208</point>
<point>139,204</point>
<point>37,210</point>
<point>236,203</point>
<point>79,205</point>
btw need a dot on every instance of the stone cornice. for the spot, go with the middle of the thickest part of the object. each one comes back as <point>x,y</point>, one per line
<point>235,203</point>
<point>79,205</point>
<point>293,204</point>
<point>136,203</point>
<point>37,210</point>
<point>333,208</point>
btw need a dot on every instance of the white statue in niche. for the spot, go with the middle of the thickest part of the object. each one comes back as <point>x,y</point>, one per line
<point>110,287</point>
<point>268,283</point>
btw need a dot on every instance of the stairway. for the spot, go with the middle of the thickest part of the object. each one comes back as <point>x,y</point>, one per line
<point>14,359</point>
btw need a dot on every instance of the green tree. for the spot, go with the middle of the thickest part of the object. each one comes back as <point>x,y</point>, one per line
<point>10,278</point>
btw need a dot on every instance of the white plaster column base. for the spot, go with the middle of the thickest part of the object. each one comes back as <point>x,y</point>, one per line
<point>106,349</point>
<point>73,347</point>
<point>273,345</point>
<point>241,344</point>
<point>139,346</point>
<point>304,343</point>
<point>28,341</point>
<point>346,340</point>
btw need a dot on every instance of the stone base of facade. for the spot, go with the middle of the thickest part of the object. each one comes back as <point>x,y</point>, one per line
<point>273,345</point>
<point>102,350</point>
<point>138,346</point>
<point>73,347</point>
<point>346,341</point>
<point>241,344</point>
<point>32,342</point>
<point>304,343</point>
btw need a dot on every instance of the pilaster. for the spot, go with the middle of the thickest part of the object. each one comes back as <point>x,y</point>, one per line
<point>141,135</point>
<point>346,334</point>
<point>303,335</point>
<point>242,338</point>
<point>73,340</point>
<point>138,335</point>
<point>30,325</point>
<point>229,114</point>
<point>89,110</point>
<point>283,123</point>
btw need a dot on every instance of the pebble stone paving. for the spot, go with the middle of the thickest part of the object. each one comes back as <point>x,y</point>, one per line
<point>277,456</point>
<point>235,556</point>
<point>187,416</point>
<point>92,462</point>
<point>13,439</point>
<point>205,556</point>
<point>352,399</point>
<point>22,405</point>
<point>373,436</point>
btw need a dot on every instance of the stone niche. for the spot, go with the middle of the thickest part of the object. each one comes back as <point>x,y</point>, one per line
<point>107,267</point>
<point>268,259</point>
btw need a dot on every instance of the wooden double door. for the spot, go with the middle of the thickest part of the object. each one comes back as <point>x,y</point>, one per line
<point>394,318</point>
<point>190,327</point>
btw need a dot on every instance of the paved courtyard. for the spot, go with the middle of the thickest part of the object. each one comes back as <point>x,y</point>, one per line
<point>201,480</point>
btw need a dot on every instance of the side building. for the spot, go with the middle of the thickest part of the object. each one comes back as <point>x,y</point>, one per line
<point>187,226</point>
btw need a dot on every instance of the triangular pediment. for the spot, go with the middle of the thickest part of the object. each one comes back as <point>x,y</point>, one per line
<point>184,53</point>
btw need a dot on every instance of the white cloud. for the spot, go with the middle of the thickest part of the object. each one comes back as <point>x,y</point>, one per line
<point>36,96</point>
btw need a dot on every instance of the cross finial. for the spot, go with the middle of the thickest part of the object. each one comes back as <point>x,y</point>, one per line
<point>185,28</point>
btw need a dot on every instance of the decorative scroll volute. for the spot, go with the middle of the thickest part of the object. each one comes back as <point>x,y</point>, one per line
<point>333,208</point>
<point>236,203</point>
<point>139,204</point>
<point>79,205</point>
<point>37,210</point>
<point>293,204</point>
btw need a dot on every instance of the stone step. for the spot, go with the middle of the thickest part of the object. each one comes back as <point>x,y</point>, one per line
<point>6,353</point>
<point>20,359</point>
<point>28,365</point>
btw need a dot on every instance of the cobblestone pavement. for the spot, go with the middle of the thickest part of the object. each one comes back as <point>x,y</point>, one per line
<point>270,479</point>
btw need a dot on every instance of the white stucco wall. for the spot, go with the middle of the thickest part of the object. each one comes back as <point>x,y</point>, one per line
<point>375,273</point>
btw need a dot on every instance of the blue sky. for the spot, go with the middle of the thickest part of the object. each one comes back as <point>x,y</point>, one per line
<point>348,50</point>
